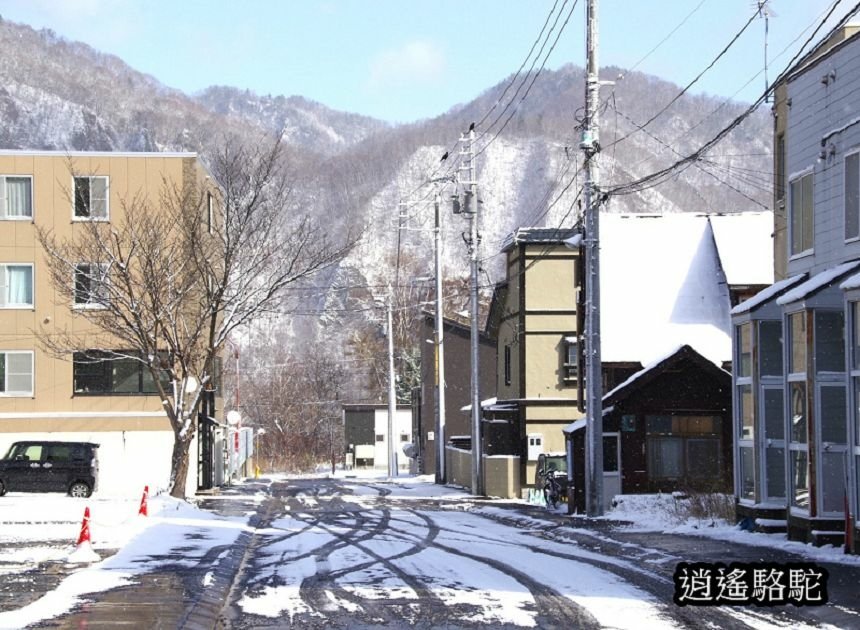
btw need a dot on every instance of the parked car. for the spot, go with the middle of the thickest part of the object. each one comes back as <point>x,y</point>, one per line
<point>41,466</point>
<point>552,461</point>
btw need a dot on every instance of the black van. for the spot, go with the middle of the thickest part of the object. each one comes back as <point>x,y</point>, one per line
<point>41,466</point>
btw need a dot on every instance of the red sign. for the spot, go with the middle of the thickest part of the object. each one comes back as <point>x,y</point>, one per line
<point>236,441</point>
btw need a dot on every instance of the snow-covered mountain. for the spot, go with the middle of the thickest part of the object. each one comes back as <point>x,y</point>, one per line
<point>354,170</point>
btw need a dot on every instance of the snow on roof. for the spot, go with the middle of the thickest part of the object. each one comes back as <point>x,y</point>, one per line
<point>576,425</point>
<point>745,246</point>
<point>853,282</point>
<point>766,294</point>
<point>642,372</point>
<point>816,282</point>
<point>662,286</point>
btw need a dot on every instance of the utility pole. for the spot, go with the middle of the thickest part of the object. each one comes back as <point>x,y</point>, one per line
<point>593,377</point>
<point>472,208</point>
<point>392,395</point>
<point>440,350</point>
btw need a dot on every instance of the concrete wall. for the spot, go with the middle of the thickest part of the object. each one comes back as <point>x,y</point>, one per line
<point>502,476</point>
<point>458,467</point>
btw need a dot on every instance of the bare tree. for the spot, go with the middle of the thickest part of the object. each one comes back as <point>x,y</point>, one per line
<point>170,279</point>
<point>296,399</point>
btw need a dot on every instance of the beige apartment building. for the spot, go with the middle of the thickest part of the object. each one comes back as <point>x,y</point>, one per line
<point>43,396</point>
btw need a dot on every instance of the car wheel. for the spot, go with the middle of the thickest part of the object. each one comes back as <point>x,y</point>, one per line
<point>2,488</point>
<point>79,489</point>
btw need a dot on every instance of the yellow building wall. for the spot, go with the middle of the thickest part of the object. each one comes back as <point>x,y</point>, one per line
<point>129,177</point>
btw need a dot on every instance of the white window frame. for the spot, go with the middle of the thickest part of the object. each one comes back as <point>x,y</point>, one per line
<point>3,198</point>
<point>210,212</point>
<point>849,239</point>
<point>4,279</point>
<point>20,394</point>
<point>88,305</point>
<point>76,218</point>
<point>795,177</point>
<point>4,283</point>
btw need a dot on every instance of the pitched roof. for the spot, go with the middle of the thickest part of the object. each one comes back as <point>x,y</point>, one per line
<point>662,286</point>
<point>529,235</point>
<point>817,282</point>
<point>652,370</point>
<point>745,246</point>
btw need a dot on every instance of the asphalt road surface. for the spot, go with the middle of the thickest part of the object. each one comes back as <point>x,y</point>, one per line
<point>324,553</point>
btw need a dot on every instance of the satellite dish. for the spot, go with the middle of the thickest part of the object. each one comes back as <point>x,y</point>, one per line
<point>234,417</point>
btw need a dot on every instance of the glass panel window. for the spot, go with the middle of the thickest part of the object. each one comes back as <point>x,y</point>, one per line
<point>104,373</point>
<point>770,347</point>
<point>797,356</point>
<point>833,425</point>
<point>852,196</point>
<point>801,214</point>
<point>833,481</point>
<point>798,413</point>
<point>703,457</point>
<point>16,373</point>
<point>665,457</point>
<point>829,341</point>
<point>746,487</point>
<point>91,197</point>
<point>91,284</point>
<point>774,462</point>
<point>745,350</point>
<point>774,425</point>
<point>855,344</point>
<point>16,286</point>
<point>16,197</point>
<point>610,453</point>
<point>746,428</point>
<point>856,411</point>
<point>800,479</point>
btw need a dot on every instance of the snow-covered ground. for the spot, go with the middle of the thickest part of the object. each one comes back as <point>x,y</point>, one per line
<point>348,547</point>
<point>36,528</point>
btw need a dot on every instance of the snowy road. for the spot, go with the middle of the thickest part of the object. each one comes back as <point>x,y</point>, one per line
<point>363,554</point>
<point>349,553</point>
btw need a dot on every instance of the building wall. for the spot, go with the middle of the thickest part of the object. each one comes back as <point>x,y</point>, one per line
<point>458,384</point>
<point>133,429</point>
<point>816,110</point>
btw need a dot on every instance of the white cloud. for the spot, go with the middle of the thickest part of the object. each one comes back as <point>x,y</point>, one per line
<point>416,62</point>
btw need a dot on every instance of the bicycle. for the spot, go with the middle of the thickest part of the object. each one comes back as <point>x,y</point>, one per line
<point>551,489</point>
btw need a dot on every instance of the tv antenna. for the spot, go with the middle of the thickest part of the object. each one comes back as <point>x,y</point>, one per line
<point>765,12</point>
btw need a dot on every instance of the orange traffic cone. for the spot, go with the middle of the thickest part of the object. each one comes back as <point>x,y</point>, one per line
<point>84,536</point>
<point>83,552</point>
<point>143,511</point>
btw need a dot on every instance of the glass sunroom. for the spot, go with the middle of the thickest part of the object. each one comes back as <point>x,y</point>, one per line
<point>758,401</point>
<point>793,423</point>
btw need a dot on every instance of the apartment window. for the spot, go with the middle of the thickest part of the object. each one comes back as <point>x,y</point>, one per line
<point>16,197</point>
<point>852,195</point>
<point>380,437</point>
<point>104,373</point>
<point>800,214</point>
<point>91,285</point>
<point>571,358</point>
<point>210,213</point>
<point>91,198</point>
<point>16,373</point>
<point>16,285</point>
<point>780,168</point>
<point>507,365</point>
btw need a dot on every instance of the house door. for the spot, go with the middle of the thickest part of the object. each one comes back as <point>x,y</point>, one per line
<point>611,468</point>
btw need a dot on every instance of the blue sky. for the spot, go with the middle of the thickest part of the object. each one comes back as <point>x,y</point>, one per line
<point>402,60</point>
